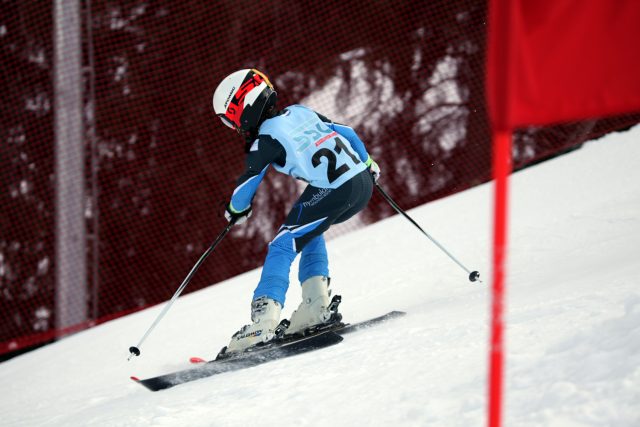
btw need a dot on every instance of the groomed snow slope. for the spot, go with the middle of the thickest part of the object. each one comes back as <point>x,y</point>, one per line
<point>573,337</point>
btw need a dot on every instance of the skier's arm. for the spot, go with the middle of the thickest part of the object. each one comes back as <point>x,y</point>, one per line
<point>350,135</point>
<point>356,144</point>
<point>264,151</point>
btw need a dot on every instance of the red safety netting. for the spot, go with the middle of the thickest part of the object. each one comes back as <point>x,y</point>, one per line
<point>408,76</point>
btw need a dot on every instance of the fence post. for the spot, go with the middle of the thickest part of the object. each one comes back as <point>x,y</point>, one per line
<point>70,236</point>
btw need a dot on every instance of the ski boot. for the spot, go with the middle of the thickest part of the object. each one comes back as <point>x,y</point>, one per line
<point>315,311</point>
<point>265,314</point>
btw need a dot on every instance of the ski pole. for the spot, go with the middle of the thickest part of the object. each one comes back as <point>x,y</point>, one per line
<point>473,275</point>
<point>135,350</point>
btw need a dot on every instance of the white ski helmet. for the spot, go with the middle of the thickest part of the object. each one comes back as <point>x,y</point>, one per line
<point>242,98</point>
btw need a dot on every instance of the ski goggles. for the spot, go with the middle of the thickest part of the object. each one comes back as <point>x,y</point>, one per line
<point>226,121</point>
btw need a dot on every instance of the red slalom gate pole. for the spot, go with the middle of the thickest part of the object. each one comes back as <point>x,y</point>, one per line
<point>501,170</point>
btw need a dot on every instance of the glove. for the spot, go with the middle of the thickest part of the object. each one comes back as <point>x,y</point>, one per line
<point>374,169</point>
<point>238,217</point>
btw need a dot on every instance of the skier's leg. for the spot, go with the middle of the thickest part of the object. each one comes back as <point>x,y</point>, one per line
<point>362,189</point>
<point>313,259</point>
<point>339,205</point>
<point>314,281</point>
<point>314,212</point>
<point>290,240</point>
<point>311,216</point>
<point>269,295</point>
<point>274,280</point>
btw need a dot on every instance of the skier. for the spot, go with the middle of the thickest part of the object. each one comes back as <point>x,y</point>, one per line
<point>339,172</point>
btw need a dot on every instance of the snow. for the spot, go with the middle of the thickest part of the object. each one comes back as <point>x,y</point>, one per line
<point>573,323</point>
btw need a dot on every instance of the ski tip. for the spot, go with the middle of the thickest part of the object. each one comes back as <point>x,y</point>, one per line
<point>197,360</point>
<point>136,379</point>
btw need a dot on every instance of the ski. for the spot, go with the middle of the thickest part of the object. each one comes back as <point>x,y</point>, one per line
<point>288,345</point>
<point>347,328</point>
<point>257,356</point>
<point>338,328</point>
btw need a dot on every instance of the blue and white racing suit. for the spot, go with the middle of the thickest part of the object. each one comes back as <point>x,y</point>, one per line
<point>331,158</point>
